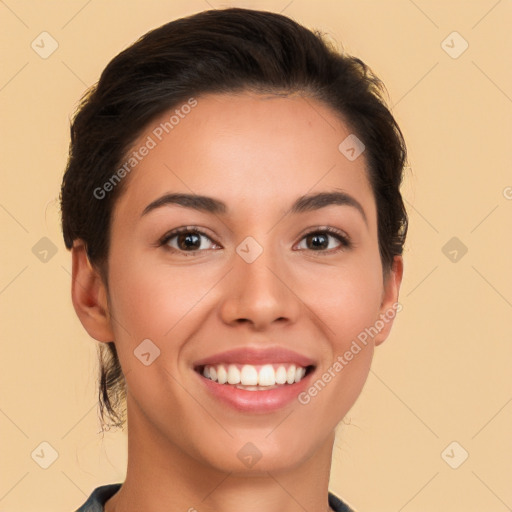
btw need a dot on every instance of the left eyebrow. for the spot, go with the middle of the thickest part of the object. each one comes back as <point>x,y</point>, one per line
<point>304,203</point>
<point>312,202</point>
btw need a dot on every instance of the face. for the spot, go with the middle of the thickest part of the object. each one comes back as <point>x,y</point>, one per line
<point>270,269</point>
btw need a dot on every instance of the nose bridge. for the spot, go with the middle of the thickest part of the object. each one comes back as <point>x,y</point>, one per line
<point>253,266</point>
<point>257,292</point>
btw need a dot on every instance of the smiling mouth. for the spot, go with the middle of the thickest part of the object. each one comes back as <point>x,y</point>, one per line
<point>255,377</point>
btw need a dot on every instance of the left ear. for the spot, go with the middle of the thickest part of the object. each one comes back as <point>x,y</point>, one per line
<point>390,305</point>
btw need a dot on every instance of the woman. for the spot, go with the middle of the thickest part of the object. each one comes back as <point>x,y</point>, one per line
<point>232,207</point>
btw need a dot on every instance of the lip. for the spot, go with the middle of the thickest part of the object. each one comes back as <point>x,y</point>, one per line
<point>256,401</point>
<point>248,355</point>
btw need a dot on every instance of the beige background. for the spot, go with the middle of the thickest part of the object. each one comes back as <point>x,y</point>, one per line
<point>444,375</point>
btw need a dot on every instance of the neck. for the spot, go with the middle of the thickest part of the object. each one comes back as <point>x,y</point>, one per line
<point>164,476</point>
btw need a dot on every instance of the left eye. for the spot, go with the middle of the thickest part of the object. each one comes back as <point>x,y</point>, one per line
<point>319,241</point>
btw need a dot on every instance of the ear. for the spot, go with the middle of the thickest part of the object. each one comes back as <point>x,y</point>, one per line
<point>89,295</point>
<point>390,306</point>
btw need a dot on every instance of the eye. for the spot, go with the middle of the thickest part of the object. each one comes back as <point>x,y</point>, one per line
<point>318,240</point>
<point>187,239</point>
<point>191,240</point>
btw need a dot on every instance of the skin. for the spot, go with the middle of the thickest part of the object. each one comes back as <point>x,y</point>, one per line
<point>258,154</point>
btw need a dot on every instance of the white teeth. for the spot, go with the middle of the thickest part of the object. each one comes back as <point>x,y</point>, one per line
<point>290,375</point>
<point>248,376</point>
<point>233,374</point>
<point>281,375</point>
<point>266,376</point>
<point>222,375</point>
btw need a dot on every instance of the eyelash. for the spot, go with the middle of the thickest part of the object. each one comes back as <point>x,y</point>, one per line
<point>344,240</point>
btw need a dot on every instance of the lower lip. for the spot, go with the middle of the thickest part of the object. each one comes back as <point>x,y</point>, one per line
<point>256,401</point>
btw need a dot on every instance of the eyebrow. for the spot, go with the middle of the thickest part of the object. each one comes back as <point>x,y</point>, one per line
<point>306,203</point>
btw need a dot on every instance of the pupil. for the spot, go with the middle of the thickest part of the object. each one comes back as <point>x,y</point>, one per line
<point>187,237</point>
<point>315,239</point>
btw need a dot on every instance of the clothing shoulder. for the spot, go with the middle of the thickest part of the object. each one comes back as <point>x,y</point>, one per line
<point>100,495</point>
<point>337,505</point>
<point>96,501</point>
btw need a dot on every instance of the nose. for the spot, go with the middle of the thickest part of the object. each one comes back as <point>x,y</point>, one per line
<point>259,294</point>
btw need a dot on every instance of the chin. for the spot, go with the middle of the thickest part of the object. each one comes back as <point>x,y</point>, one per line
<point>259,456</point>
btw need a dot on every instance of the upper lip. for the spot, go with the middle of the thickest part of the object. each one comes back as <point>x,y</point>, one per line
<point>248,355</point>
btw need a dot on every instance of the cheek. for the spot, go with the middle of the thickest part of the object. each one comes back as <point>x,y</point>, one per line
<point>150,299</point>
<point>158,303</point>
<point>347,302</point>
<point>347,298</point>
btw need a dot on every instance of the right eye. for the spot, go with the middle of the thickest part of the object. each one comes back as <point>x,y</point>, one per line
<point>186,240</point>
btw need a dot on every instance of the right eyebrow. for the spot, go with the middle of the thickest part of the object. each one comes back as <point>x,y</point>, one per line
<point>201,203</point>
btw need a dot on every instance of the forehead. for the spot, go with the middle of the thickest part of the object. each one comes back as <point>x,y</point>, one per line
<point>250,150</point>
